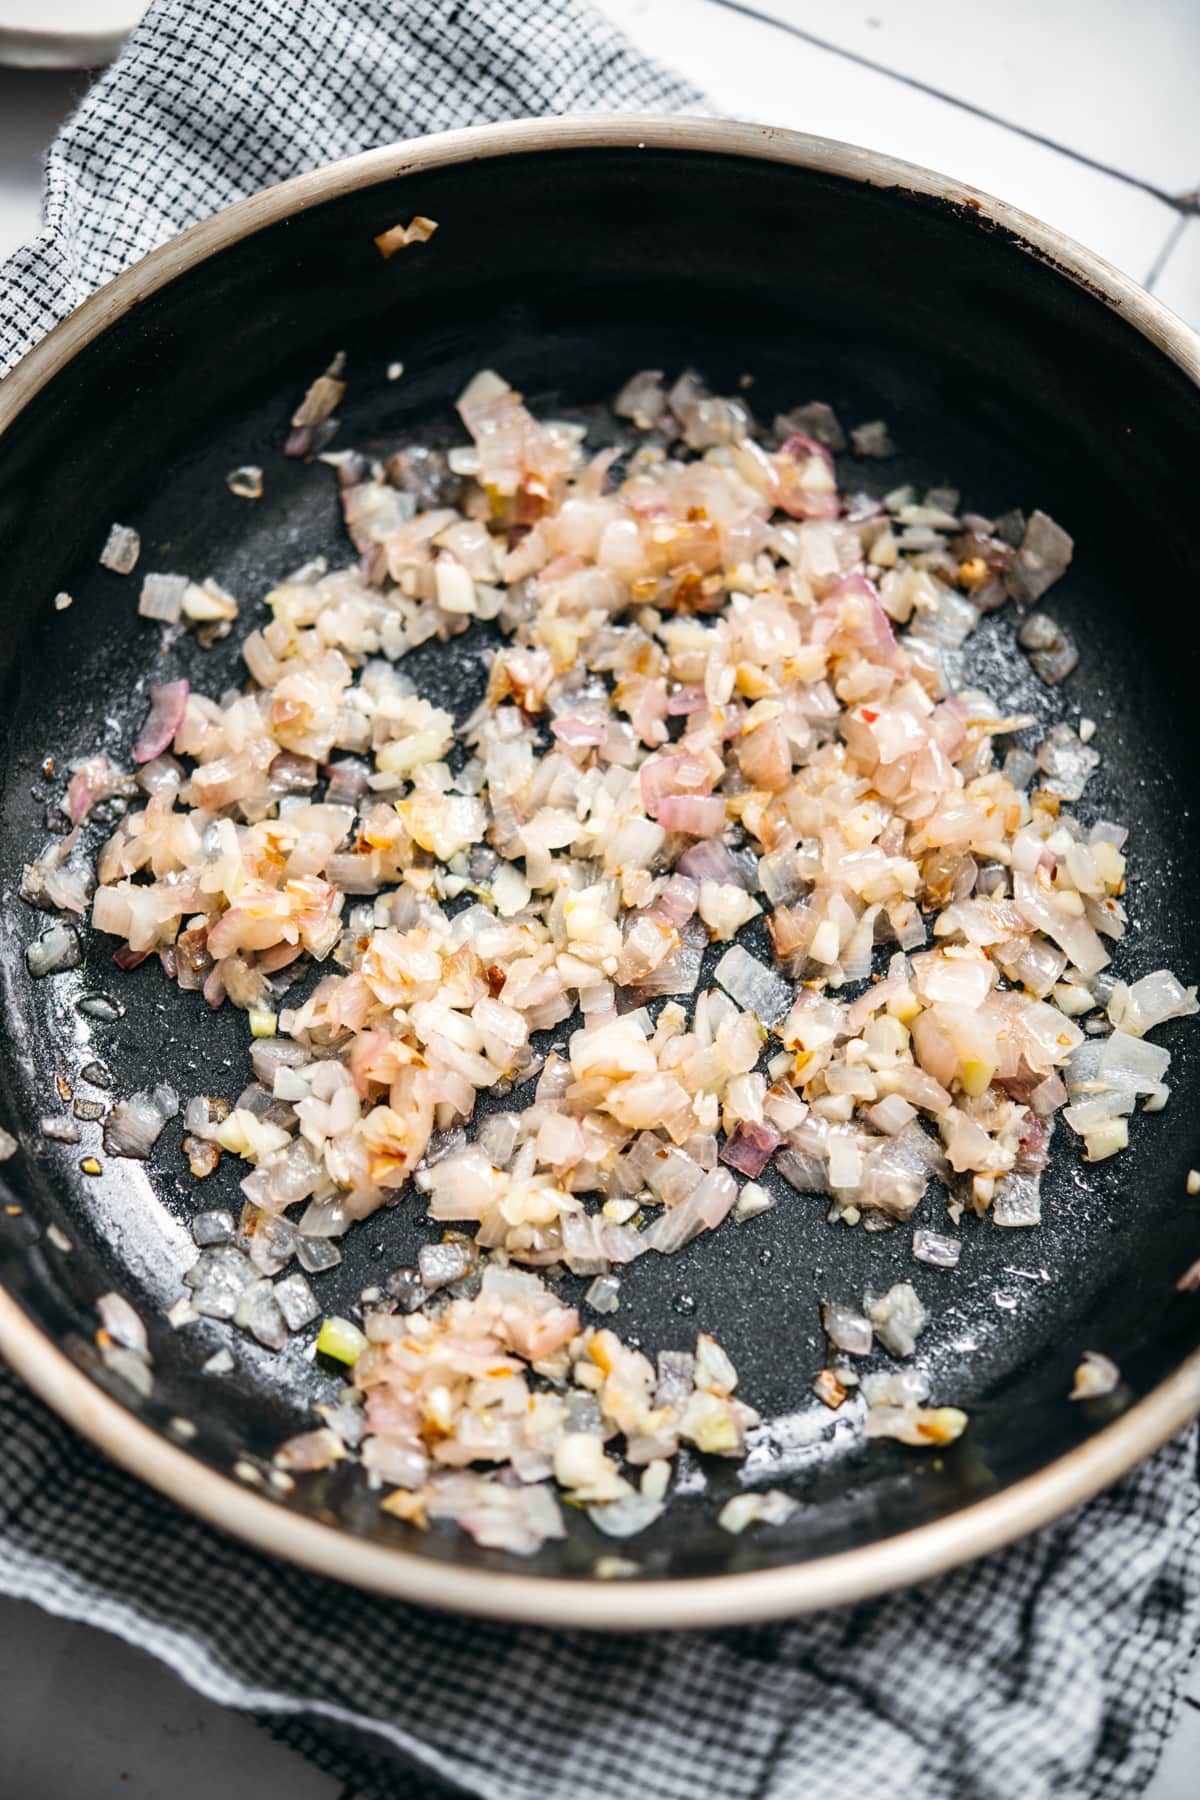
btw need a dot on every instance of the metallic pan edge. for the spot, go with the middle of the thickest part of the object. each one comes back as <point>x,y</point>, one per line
<point>853,1575</point>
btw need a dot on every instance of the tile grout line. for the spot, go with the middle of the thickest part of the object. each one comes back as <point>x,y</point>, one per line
<point>1184,204</point>
<point>1165,254</point>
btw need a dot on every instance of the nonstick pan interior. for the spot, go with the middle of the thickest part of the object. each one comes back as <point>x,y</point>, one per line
<point>567,269</point>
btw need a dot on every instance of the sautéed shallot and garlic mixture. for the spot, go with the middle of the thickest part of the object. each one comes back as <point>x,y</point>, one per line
<point>725,695</point>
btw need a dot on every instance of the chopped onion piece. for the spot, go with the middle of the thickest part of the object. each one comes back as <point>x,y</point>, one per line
<point>711,860</point>
<point>1051,651</point>
<point>895,1387</point>
<point>162,597</point>
<point>1044,555</point>
<point>134,1126</point>
<point>1096,1376</point>
<point>935,1248</point>
<point>122,547</point>
<point>643,399</point>
<point>627,1517</point>
<point>898,1318</point>
<point>246,482</point>
<point>753,986</point>
<point>309,1451</point>
<point>1018,1201</point>
<point>1066,762</point>
<point>168,704</point>
<point>752,1201</point>
<point>122,1323</point>
<point>603,1296</point>
<point>296,1301</point>
<point>58,948</point>
<point>750,1148</point>
<point>773,1507</point>
<point>872,439</point>
<point>1142,1005</point>
<point>1105,1139</point>
<point>921,1426</point>
<point>847,1330</point>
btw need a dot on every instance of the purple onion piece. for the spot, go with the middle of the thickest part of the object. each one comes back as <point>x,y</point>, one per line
<point>750,1148</point>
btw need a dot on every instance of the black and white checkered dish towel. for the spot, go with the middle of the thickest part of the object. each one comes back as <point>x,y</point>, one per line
<point>1051,1669</point>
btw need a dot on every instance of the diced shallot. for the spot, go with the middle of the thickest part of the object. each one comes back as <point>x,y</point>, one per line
<point>168,704</point>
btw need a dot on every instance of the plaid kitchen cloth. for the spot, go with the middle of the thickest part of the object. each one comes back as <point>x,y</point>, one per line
<point>1053,1668</point>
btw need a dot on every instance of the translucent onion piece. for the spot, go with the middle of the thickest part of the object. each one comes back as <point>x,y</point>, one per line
<point>918,1425</point>
<point>58,948</point>
<point>1044,555</point>
<point>162,597</point>
<point>756,988</point>
<point>1018,1201</point>
<point>1096,1376</point>
<point>122,1323</point>
<point>122,547</point>
<point>898,1317</point>
<point>1140,1006</point>
<point>626,1518</point>
<point>168,705</point>
<point>847,1330</point>
<point>134,1126</point>
<point>935,1248</point>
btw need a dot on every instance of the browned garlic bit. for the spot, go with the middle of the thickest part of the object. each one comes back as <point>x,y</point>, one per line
<point>419,230</point>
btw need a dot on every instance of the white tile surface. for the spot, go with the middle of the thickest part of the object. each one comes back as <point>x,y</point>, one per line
<point>1178,282</point>
<point>1113,79</point>
<point>756,71</point>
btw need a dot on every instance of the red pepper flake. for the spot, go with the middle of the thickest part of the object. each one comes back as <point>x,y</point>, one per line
<point>868,715</point>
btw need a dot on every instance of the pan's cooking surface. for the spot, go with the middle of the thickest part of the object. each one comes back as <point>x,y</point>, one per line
<point>566,273</point>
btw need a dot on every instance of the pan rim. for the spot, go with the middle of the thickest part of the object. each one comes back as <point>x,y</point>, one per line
<point>1156,322</point>
<point>688,1603</point>
<point>846,1576</point>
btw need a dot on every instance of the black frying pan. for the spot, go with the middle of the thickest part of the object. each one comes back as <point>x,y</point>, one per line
<point>1010,364</point>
